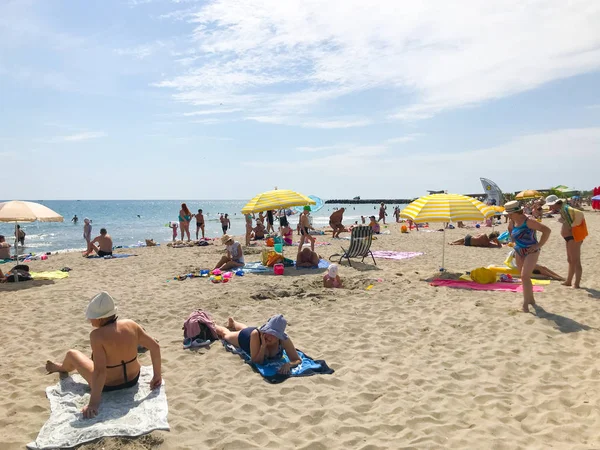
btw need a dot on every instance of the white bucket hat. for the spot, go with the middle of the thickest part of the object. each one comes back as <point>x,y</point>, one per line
<point>552,200</point>
<point>101,306</point>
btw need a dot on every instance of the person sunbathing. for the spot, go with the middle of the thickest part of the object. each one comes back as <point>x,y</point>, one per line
<point>263,344</point>
<point>479,240</point>
<point>307,258</point>
<point>234,257</point>
<point>547,273</point>
<point>114,364</point>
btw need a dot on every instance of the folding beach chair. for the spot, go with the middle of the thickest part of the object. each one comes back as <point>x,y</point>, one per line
<point>360,244</point>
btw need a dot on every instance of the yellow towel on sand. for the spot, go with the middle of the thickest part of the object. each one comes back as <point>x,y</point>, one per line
<point>51,275</point>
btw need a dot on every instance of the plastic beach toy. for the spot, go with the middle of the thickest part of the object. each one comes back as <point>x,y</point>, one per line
<point>278,269</point>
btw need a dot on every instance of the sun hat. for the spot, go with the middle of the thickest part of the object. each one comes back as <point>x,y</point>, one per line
<point>101,306</point>
<point>226,238</point>
<point>333,270</point>
<point>307,208</point>
<point>275,326</point>
<point>552,200</point>
<point>512,207</point>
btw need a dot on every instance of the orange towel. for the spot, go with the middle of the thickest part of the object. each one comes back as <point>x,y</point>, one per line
<point>580,231</point>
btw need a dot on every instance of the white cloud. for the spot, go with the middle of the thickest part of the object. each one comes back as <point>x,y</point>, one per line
<point>436,55</point>
<point>593,106</point>
<point>78,137</point>
<point>403,139</point>
<point>328,124</point>
<point>209,112</point>
<point>534,161</point>
<point>141,51</point>
<point>324,148</point>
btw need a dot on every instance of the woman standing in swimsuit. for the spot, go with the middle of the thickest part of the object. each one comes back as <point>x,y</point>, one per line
<point>573,231</point>
<point>305,229</point>
<point>185,217</point>
<point>114,363</point>
<point>266,343</point>
<point>527,248</point>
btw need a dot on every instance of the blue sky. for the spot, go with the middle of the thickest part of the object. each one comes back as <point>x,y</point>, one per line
<point>217,99</point>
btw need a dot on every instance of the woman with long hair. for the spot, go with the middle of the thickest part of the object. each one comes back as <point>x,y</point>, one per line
<point>185,217</point>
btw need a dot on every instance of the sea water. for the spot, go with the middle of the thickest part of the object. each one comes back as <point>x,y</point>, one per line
<point>132,221</point>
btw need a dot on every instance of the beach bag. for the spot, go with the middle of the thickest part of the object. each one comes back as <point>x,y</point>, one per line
<point>482,275</point>
<point>200,324</point>
<point>580,231</point>
<point>274,258</point>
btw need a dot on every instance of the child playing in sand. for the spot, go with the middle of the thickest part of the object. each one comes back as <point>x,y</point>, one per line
<point>174,226</point>
<point>331,279</point>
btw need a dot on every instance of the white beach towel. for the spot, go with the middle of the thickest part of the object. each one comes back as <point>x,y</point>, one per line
<point>129,412</point>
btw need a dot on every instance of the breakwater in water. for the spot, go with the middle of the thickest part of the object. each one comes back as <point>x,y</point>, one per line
<point>371,201</point>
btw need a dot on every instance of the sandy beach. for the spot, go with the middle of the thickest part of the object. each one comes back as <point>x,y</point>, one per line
<point>415,366</point>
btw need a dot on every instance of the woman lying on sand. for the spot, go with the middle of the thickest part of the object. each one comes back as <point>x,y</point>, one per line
<point>114,363</point>
<point>479,240</point>
<point>262,344</point>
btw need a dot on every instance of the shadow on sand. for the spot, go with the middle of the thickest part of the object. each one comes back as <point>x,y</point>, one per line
<point>564,324</point>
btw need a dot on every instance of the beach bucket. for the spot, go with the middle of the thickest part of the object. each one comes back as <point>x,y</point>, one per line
<point>278,269</point>
<point>278,248</point>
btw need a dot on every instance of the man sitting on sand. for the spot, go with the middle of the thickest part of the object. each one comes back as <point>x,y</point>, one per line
<point>259,231</point>
<point>335,222</point>
<point>307,258</point>
<point>105,244</point>
<point>4,248</point>
<point>479,240</point>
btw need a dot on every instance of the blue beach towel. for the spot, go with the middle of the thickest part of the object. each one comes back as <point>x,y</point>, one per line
<point>307,368</point>
<point>257,267</point>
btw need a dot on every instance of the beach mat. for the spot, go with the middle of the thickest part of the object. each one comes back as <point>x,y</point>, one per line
<point>387,254</point>
<point>516,281</point>
<point>129,412</point>
<point>257,267</point>
<point>460,284</point>
<point>307,368</point>
<point>114,256</point>
<point>49,275</point>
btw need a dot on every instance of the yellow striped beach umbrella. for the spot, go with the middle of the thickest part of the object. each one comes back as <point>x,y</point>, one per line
<point>276,199</point>
<point>446,208</point>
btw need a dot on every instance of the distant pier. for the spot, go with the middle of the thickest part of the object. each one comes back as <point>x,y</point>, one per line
<point>371,201</point>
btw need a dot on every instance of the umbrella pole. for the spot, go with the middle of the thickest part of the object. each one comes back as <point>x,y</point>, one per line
<point>443,249</point>
<point>16,275</point>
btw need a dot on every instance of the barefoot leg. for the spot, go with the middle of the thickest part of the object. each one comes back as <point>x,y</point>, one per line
<point>234,325</point>
<point>576,261</point>
<point>74,360</point>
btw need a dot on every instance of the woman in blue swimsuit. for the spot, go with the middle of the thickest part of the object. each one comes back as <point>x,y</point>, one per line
<point>527,248</point>
<point>185,217</point>
<point>266,343</point>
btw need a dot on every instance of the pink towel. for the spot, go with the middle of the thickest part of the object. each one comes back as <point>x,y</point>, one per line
<point>459,284</point>
<point>387,254</point>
